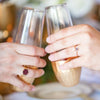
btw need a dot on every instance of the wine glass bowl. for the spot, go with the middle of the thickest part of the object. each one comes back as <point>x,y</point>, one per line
<point>57,18</point>
<point>29,31</point>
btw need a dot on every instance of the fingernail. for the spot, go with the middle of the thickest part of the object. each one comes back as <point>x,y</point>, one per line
<point>51,58</point>
<point>46,49</point>
<point>48,39</point>
<point>45,53</point>
<point>42,72</point>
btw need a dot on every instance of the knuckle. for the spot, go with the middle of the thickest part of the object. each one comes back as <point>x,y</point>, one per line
<point>87,36</point>
<point>86,27</point>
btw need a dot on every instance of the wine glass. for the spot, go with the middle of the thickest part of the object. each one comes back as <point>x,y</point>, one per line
<point>57,18</point>
<point>29,31</point>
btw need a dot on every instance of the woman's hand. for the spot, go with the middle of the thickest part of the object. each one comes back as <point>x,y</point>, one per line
<point>13,57</point>
<point>81,40</point>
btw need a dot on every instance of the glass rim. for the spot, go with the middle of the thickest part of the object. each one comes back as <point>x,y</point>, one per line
<point>33,9</point>
<point>63,4</point>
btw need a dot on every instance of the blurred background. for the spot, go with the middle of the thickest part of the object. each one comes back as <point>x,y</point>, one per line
<point>82,12</point>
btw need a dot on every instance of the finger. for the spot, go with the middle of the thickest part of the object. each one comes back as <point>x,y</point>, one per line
<point>20,84</point>
<point>68,32</point>
<point>38,73</point>
<point>25,49</point>
<point>32,73</point>
<point>15,81</point>
<point>77,62</point>
<point>33,61</point>
<point>65,43</point>
<point>66,53</point>
<point>30,50</point>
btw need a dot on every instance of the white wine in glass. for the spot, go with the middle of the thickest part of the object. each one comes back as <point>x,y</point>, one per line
<point>58,17</point>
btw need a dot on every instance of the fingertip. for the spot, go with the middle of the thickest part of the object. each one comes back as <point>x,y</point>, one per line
<point>47,50</point>
<point>48,40</point>
<point>51,58</point>
<point>42,72</point>
<point>32,88</point>
<point>45,63</point>
<point>44,53</point>
<point>39,73</point>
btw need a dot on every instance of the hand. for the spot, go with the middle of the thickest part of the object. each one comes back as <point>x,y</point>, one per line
<point>86,38</point>
<point>13,57</point>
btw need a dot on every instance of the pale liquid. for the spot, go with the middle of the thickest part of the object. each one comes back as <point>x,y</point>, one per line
<point>68,77</point>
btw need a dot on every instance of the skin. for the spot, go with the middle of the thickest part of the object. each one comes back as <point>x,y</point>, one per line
<point>13,57</point>
<point>85,38</point>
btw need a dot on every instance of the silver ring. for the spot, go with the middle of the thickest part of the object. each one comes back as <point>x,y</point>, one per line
<point>76,49</point>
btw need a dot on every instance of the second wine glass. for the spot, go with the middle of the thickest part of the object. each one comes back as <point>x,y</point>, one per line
<point>58,17</point>
<point>29,32</point>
